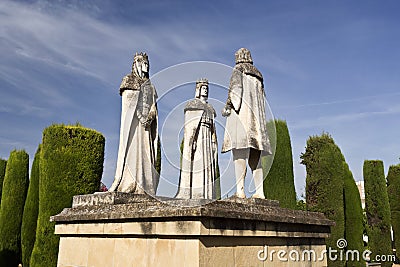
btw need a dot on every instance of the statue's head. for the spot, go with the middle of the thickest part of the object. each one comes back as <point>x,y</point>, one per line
<point>140,65</point>
<point>202,88</point>
<point>243,55</point>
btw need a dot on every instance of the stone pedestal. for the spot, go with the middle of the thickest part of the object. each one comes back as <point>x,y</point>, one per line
<point>121,229</point>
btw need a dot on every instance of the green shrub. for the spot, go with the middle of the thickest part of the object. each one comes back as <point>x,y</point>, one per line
<point>353,217</point>
<point>324,184</point>
<point>279,181</point>
<point>377,209</point>
<point>31,211</point>
<point>3,164</point>
<point>15,186</point>
<point>71,163</point>
<point>393,180</point>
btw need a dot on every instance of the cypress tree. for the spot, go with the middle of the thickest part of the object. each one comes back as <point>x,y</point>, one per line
<point>393,180</point>
<point>324,184</point>
<point>71,163</point>
<point>353,217</point>
<point>3,164</point>
<point>377,209</point>
<point>31,211</point>
<point>279,181</point>
<point>15,186</point>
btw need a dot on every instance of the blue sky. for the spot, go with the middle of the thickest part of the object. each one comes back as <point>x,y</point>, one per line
<point>328,66</point>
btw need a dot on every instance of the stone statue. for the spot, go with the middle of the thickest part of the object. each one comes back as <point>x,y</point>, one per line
<point>199,156</point>
<point>136,171</point>
<point>246,131</point>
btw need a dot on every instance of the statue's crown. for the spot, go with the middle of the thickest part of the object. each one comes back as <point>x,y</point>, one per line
<point>243,55</point>
<point>140,55</point>
<point>202,81</point>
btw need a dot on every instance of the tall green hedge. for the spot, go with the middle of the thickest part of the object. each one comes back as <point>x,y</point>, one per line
<point>279,181</point>
<point>324,184</point>
<point>377,209</point>
<point>353,217</point>
<point>393,180</point>
<point>3,164</point>
<point>71,163</point>
<point>31,211</point>
<point>15,186</point>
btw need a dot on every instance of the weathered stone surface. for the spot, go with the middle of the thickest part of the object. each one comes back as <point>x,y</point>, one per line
<point>127,206</point>
<point>139,230</point>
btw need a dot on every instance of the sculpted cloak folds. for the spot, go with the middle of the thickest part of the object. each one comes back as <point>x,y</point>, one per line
<point>246,125</point>
<point>138,134</point>
<point>199,156</point>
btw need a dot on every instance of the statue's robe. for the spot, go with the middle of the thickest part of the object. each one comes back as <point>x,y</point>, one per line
<point>137,145</point>
<point>246,126</point>
<point>199,155</point>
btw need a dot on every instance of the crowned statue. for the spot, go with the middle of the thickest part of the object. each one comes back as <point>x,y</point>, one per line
<point>135,172</point>
<point>246,130</point>
<point>199,156</point>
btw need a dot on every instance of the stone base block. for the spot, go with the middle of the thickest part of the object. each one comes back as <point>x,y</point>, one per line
<point>116,229</point>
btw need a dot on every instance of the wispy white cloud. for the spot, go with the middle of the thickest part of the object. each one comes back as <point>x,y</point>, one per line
<point>342,101</point>
<point>342,118</point>
<point>76,44</point>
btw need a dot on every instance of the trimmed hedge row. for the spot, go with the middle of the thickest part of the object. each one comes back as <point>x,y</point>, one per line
<point>353,215</point>
<point>31,211</point>
<point>377,209</point>
<point>324,184</point>
<point>15,186</point>
<point>279,181</point>
<point>393,180</point>
<point>71,163</point>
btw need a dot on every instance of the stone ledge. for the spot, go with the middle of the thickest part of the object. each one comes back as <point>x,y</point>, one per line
<point>186,228</point>
<point>113,198</point>
<point>118,206</point>
<point>138,230</point>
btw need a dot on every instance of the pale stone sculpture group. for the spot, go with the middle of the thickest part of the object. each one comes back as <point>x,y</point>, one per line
<point>245,133</point>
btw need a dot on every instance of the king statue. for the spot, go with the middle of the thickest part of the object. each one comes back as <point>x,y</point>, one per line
<point>136,171</point>
<point>199,155</point>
